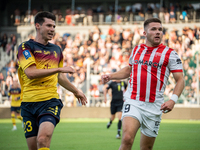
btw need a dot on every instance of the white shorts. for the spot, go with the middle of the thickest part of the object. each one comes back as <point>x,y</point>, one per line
<point>149,121</point>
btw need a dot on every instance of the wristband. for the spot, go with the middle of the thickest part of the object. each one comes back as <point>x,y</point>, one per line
<point>174,98</point>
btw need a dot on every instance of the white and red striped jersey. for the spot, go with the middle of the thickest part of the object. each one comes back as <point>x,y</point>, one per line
<point>151,67</point>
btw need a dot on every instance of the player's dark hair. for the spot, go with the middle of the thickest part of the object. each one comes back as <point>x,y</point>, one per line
<point>39,18</point>
<point>150,20</point>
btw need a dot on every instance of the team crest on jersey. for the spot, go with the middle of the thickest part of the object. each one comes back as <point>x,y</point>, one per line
<point>26,54</point>
<point>158,54</point>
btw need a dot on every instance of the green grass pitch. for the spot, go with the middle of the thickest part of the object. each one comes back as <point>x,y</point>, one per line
<point>92,134</point>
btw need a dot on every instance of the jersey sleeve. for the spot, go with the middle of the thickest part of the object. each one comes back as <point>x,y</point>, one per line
<point>25,56</point>
<point>109,86</point>
<point>175,63</point>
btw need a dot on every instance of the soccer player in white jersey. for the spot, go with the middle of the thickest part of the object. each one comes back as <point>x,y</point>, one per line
<point>149,67</point>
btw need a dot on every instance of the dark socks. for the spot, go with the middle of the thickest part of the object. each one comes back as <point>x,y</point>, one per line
<point>119,125</point>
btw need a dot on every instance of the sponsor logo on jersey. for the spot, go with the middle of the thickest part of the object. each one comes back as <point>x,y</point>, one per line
<point>26,54</point>
<point>148,63</point>
<point>178,61</point>
<point>37,51</point>
<point>46,52</point>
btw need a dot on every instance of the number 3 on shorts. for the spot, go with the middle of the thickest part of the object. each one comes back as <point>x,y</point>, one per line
<point>126,108</point>
<point>28,126</point>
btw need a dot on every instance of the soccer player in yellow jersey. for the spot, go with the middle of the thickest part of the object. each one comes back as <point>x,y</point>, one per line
<point>40,69</point>
<point>14,96</point>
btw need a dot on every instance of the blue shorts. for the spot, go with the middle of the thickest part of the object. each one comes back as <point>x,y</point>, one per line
<point>15,109</point>
<point>33,111</point>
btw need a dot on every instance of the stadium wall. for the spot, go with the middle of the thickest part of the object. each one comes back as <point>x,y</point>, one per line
<point>104,112</point>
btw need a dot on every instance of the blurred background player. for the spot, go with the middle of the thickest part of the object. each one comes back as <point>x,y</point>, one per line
<point>118,88</point>
<point>14,96</point>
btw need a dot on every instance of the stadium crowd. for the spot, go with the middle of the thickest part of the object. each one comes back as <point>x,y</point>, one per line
<point>128,13</point>
<point>107,52</point>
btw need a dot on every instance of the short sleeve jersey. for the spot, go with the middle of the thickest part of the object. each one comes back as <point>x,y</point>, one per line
<point>118,89</point>
<point>151,67</point>
<point>44,57</point>
<point>14,94</point>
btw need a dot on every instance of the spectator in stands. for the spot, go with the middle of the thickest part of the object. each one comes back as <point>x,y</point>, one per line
<point>111,30</point>
<point>9,80</point>
<point>1,77</point>
<point>108,18</point>
<point>166,16</point>
<point>17,16</point>
<point>9,47</point>
<point>4,41</point>
<point>172,16</point>
<point>13,41</point>
<point>68,17</point>
<point>184,16</point>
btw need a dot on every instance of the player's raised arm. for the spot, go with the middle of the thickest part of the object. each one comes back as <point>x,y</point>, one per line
<point>121,74</point>
<point>63,81</point>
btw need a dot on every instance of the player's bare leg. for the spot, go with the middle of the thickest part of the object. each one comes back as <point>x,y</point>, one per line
<point>119,115</point>
<point>146,143</point>
<point>32,143</point>
<point>111,120</point>
<point>45,134</point>
<point>130,127</point>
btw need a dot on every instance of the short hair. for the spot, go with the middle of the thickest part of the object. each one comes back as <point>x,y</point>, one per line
<point>150,20</point>
<point>39,18</point>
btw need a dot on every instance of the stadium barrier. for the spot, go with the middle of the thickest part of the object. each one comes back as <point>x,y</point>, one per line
<point>190,113</point>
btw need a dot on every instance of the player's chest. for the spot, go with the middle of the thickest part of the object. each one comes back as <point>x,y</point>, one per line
<point>45,54</point>
<point>147,58</point>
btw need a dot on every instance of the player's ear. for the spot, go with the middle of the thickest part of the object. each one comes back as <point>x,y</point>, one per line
<point>144,33</point>
<point>37,25</point>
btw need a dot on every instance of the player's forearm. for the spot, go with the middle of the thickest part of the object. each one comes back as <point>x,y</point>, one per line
<point>105,94</point>
<point>180,84</point>
<point>33,72</point>
<point>64,82</point>
<point>121,74</point>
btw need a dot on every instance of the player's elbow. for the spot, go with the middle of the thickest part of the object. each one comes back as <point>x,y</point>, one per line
<point>30,76</point>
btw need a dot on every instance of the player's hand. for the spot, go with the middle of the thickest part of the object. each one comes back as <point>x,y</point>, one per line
<point>167,106</point>
<point>105,78</point>
<point>67,70</point>
<point>81,97</point>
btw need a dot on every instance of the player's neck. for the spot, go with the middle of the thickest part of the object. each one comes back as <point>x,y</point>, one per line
<point>151,45</point>
<point>40,40</point>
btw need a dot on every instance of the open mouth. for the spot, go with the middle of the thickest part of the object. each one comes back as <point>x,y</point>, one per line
<point>50,34</point>
<point>157,37</point>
